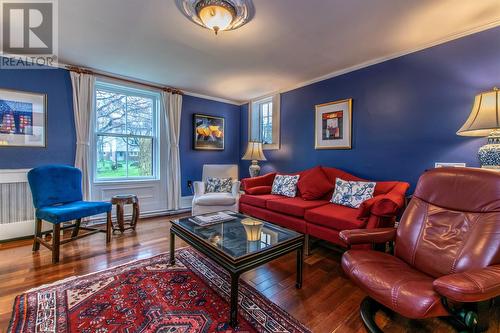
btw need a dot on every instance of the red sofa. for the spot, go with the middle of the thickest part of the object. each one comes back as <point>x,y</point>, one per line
<point>311,212</point>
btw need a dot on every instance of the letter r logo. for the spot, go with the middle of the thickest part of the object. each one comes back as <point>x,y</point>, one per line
<point>27,27</point>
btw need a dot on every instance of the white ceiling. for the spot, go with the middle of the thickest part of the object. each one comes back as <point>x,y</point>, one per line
<point>287,43</point>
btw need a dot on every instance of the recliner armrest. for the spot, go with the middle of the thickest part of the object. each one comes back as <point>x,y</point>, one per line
<point>368,236</point>
<point>199,188</point>
<point>472,286</point>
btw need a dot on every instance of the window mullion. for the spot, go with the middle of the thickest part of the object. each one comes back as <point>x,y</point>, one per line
<point>126,132</point>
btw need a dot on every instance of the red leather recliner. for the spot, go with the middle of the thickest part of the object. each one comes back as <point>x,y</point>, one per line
<point>446,258</point>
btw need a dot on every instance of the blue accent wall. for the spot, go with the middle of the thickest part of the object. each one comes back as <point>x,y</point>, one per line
<point>192,160</point>
<point>61,136</point>
<point>406,112</point>
<point>61,140</point>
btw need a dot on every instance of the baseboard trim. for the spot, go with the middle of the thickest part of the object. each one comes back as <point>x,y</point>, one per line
<point>24,229</point>
<point>19,230</point>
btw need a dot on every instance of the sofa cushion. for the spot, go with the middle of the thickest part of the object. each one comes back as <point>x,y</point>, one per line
<point>265,180</point>
<point>215,199</point>
<point>352,193</point>
<point>285,185</point>
<point>218,185</point>
<point>259,200</point>
<point>259,190</point>
<point>286,221</point>
<point>313,184</point>
<point>335,216</point>
<point>72,211</point>
<point>293,206</point>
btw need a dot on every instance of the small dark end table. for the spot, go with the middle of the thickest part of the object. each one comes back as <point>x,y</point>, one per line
<point>120,201</point>
<point>226,243</point>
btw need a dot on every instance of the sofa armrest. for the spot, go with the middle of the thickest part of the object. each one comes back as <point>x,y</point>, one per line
<point>385,205</point>
<point>235,189</point>
<point>199,188</point>
<point>368,236</point>
<point>473,286</point>
<point>266,180</point>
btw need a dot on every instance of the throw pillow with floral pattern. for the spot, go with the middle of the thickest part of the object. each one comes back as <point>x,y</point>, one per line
<point>285,185</point>
<point>352,193</point>
<point>218,185</point>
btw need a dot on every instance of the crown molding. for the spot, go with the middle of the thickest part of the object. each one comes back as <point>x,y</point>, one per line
<point>376,61</point>
<point>62,65</point>
<point>212,98</point>
<point>139,81</point>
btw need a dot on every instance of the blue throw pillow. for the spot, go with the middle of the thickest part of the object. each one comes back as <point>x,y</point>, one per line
<point>352,193</point>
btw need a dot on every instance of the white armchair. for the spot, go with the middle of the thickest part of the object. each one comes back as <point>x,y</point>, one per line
<point>214,202</point>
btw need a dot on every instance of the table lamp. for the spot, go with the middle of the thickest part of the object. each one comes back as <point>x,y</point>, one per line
<point>484,120</point>
<point>254,153</point>
<point>253,229</point>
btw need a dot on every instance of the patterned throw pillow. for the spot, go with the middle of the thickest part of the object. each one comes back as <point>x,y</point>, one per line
<point>352,193</point>
<point>285,185</point>
<point>218,185</point>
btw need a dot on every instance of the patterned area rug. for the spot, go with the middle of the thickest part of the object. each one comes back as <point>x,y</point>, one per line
<point>148,296</point>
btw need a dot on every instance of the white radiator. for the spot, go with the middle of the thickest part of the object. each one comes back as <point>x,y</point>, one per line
<point>16,205</point>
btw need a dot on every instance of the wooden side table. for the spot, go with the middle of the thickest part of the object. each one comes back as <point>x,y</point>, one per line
<point>120,201</point>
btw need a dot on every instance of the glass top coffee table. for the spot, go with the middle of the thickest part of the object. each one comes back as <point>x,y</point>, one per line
<point>239,245</point>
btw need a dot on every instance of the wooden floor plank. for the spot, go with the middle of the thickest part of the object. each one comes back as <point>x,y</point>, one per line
<point>328,301</point>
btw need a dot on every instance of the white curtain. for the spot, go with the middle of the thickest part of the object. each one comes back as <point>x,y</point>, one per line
<point>172,106</point>
<point>83,100</point>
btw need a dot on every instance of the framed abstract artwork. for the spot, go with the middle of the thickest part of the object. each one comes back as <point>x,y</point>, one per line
<point>23,119</point>
<point>208,132</point>
<point>333,125</point>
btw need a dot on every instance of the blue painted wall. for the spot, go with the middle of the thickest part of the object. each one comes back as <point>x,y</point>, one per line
<point>192,160</point>
<point>61,137</point>
<point>406,112</point>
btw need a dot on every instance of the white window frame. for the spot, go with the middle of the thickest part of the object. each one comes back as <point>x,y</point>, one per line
<point>127,90</point>
<point>255,123</point>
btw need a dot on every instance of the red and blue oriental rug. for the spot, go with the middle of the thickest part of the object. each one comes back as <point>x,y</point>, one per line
<point>148,296</point>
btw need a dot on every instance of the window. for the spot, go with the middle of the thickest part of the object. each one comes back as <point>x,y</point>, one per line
<point>264,122</point>
<point>125,132</point>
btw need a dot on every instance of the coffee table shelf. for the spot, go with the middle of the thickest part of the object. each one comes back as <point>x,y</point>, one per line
<point>226,243</point>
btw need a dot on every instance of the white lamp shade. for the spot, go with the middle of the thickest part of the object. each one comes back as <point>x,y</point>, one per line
<point>485,115</point>
<point>254,152</point>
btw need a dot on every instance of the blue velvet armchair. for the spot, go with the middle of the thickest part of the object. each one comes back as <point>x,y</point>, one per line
<point>57,197</point>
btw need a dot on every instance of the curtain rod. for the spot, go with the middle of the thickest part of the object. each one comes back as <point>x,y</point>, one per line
<point>77,69</point>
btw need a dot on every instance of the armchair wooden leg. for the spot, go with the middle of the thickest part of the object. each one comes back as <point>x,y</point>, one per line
<point>38,233</point>
<point>56,242</point>
<point>108,227</point>
<point>76,229</point>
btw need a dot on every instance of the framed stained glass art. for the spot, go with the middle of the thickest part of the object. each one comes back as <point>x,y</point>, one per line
<point>23,119</point>
<point>333,125</point>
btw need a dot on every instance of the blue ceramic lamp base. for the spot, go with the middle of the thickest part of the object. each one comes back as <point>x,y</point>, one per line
<point>489,154</point>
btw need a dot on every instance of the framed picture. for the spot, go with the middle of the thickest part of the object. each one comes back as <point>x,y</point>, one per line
<point>333,125</point>
<point>208,132</point>
<point>23,119</point>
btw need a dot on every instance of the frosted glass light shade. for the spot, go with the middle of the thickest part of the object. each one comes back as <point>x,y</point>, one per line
<point>216,15</point>
<point>485,115</point>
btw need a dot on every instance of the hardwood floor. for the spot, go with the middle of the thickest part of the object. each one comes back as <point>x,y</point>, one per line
<point>328,302</point>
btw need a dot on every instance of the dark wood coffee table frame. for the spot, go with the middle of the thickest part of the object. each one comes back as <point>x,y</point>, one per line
<point>237,266</point>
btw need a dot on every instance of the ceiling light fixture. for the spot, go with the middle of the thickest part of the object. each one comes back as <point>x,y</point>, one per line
<point>217,15</point>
